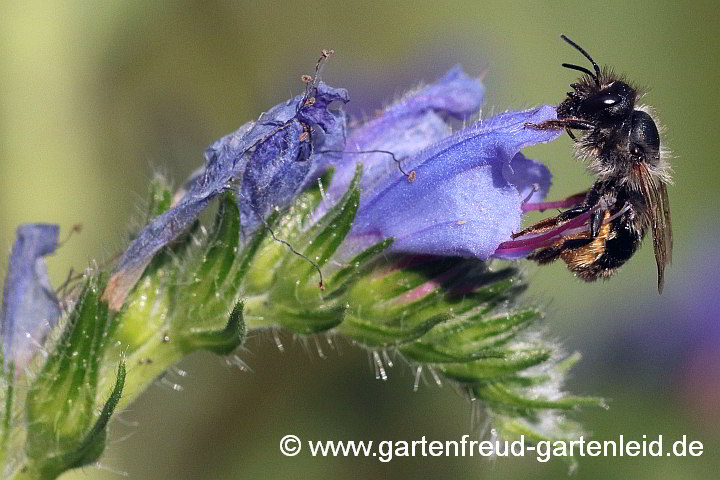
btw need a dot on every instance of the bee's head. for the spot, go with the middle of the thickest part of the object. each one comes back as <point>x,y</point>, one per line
<point>598,97</point>
<point>606,107</point>
<point>644,138</point>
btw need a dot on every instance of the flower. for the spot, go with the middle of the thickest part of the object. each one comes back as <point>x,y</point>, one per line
<point>414,122</point>
<point>267,162</point>
<point>469,186</point>
<point>30,308</point>
<point>463,202</point>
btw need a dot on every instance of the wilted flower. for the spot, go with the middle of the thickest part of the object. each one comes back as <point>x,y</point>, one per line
<point>30,308</point>
<point>271,159</point>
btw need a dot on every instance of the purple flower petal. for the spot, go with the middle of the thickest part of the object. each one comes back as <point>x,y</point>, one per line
<point>455,95</point>
<point>463,202</point>
<point>532,179</point>
<point>270,158</point>
<point>406,127</point>
<point>30,308</point>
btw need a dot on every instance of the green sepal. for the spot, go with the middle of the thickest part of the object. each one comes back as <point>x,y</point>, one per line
<point>362,263</point>
<point>504,399</point>
<point>208,283</point>
<point>208,276</point>
<point>466,339</point>
<point>142,314</point>
<point>294,298</point>
<point>244,262</point>
<point>61,401</point>
<point>308,321</point>
<point>368,329</point>
<point>332,228</point>
<point>160,197</point>
<point>325,238</point>
<point>270,256</point>
<point>9,396</point>
<point>220,342</point>
<point>91,446</point>
<point>491,368</point>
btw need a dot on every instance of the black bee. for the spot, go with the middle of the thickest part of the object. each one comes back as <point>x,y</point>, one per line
<point>622,144</point>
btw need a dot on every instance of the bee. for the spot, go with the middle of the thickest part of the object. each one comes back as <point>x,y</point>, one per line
<point>622,144</point>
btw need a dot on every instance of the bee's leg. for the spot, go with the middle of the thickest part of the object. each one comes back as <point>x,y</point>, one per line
<point>571,135</point>
<point>539,227</point>
<point>560,124</point>
<point>596,222</point>
<point>547,255</point>
<point>552,222</point>
<point>571,201</point>
<point>603,202</point>
<point>573,212</point>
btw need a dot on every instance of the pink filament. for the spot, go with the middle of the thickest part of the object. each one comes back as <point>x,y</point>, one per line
<point>533,241</point>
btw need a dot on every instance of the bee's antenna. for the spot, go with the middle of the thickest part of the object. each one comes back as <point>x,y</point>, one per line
<point>581,69</point>
<point>586,55</point>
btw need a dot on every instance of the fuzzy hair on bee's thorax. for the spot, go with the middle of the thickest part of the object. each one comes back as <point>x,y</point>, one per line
<point>605,147</point>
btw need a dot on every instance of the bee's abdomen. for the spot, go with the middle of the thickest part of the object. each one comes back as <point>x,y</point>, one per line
<point>617,242</point>
<point>599,257</point>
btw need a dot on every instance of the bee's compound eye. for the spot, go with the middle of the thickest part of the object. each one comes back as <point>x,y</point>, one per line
<point>613,103</point>
<point>600,102</point>
<point>644,135</point>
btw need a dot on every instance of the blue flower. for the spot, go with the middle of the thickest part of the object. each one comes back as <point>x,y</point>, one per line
<point>267,162</point>
<point>30,308</point>
<point>468,187</point>
<point>406,127</point>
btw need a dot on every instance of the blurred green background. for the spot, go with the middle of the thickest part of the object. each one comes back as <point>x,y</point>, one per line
<point>96,96</point>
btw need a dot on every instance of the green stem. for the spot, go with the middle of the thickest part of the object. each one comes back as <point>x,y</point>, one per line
<point>144,365</point>
<point>7,420</point>
<point>257,314</point>
<point>24,472</point>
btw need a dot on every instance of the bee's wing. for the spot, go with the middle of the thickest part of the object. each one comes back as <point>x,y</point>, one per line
<point>655,191</point>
